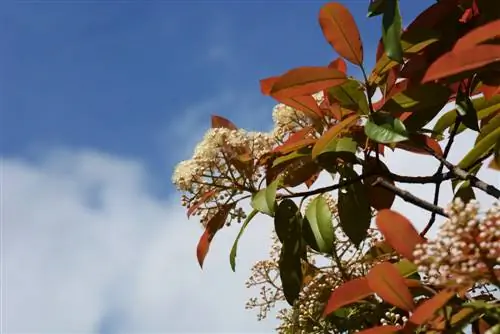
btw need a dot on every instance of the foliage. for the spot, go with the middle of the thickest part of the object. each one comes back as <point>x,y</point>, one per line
<point>337,270</point>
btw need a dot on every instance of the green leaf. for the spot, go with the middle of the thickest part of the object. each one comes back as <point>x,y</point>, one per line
<point>290,273</point>
<point>484,109</point>
<point>265,199</point>
<point>305,151</point>
<point>319,223</point>
<point>465,192</point>
<point>493,124</point>
<point>466,109</point>
<point>376,7</point>
<point>287,221</point>
<point>481,148</point>
<point>427,99</point>
<point>234,249</point>
<point>406,268</point>
<point>386,129</point>
<point>353,206</point>
<point>391,31</point>
<point>350,95</point>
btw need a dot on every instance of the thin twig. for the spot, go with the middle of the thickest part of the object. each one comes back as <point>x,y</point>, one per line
<point>409,197</point>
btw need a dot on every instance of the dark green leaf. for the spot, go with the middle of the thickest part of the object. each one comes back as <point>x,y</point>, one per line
<point>466,110</point>
<point>376,7</point>
<point>386,129</point>
<point>319,222</point>
<point>290,274</point>
<point>286,219</point>
<point>353,206</point>
<point>391,31</point>
<point>265,199</point>
<point>234,249</point>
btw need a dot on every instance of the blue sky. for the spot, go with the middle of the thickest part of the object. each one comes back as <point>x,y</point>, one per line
<point>99,100</point>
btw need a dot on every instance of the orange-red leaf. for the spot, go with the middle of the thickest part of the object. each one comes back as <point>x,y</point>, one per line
<point>489,91</point>
<point>267,84</point>
<point>341,31</point>
<point>478,35</point>
<point>205,197</point>
<point>306,80</point>
<point>385,280</point>
<point>221,122</point>
<point>427,309</point>
<point>398,231</point>
<point>347,293</point>
<point>417,144</point>
<point>455,62</point>
<point>339,64</point>
<point>305,103</point>
<point>214,224</point>
<point>380,330</point>
<point>332,133</point>
<point>296,141</point>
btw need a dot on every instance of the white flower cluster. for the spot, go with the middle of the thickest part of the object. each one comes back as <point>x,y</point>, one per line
<point>467,248</point>
<point>214,152</point>
<point>393,319</point>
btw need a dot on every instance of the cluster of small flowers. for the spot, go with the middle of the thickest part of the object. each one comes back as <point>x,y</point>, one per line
<point>394,319</point>
<point>467,247</point>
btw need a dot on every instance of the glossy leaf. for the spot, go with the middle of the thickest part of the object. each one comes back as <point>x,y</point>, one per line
<point>418,144</point>
<point>353,207</point>
<point>385,129</point>
<point>391,31</point>
<point>386,281</point>
<point>466,110</point>
<point>300,172</point>
<point>350,95</point>
<point>495,162</point>
<point>488,128</point>
<point>398,232</point>
<point>348,293</point>
<point>481,148</point>
<point>376,7</point>
<point>285,219</point>
<point>290,274</point>
<point>452,63</point>
<point>479,35</point>
<point>214,224</point>
<point>293,145</point>
<point>234,249</point>
<point>265,199</point>
<point>287,159</point>
<point>378,197</point>
<point>221,122</point>
<point>306,80</point>
<point>319,223</point>
<point>426,311</point>
<point>341,31</point>
<point>331,134</point>
<point>339,64</point>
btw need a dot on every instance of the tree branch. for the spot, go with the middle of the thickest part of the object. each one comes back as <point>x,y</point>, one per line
<point>409,197</point>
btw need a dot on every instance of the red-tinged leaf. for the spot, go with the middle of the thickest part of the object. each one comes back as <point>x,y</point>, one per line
<point>305,103</point>
<point>489,91</point>
<point>381,330</point>
<point>413,283</point>
<point>386,281</point>
<point>398,232</point>
<point>478,36</point>
<point>267,84</point>
<point>348,293</point>
<point>221,122</point>
<point>332,133</point>
<point>417,143</point>
<point>339,64</point>
<point>205,197</point>
<point>306,80</point>
<point>426,311</point>
<point>341,31</point>
<point>214,224</point>
<point>379,198</point>
<point>452,63</point>
<point>296,141</point>
<point>380,50</point>
<point>432,16</point>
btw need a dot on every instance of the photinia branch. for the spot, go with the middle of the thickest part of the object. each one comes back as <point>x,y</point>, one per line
<point>409,197</point>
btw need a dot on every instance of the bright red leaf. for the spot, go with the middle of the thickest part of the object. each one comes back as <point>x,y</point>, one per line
<point>306,80</point>
<point>341,31</point>
<point>385,280</point>
<point>267,84</point>
<point>478,36</point>
<point>427,309</point>
<point>398,231</point>
<point>347,293</point>
<point>221,122</point>
<point>339,64</point>
<point>455,62</point>
<point>213,225</point>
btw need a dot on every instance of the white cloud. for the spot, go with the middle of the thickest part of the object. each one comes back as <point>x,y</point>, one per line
<point>87,247</point>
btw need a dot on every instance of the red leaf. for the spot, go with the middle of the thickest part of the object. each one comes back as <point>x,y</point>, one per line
<point>267,84</point>
<point>417,144</point>
<point>427,309</point>
<point>213,225</point>
<point>306,80</point>
<point>398,231</point>
<point>305,103</point>
<point>341,31</point>
<point>332,133</point>
<point>432,16</point>
<point>380,330</point>
<point>205,197</point>
<point>489,91</point>
<point>452,62</point>
<point>296,141</point>
<point>478,36</point>
<point>380,50</point>
<point>221,122</point>
<point>339,64</point>
<point>385,280</point>
<point>347,293</point>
